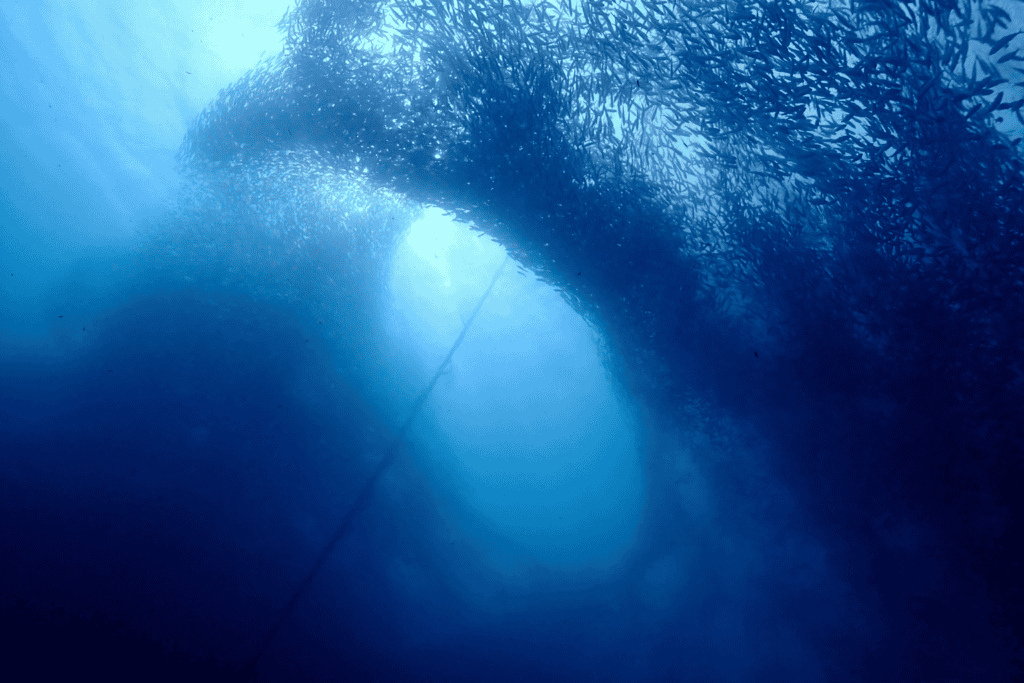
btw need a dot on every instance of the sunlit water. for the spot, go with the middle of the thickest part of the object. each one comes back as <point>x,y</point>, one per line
<point>524,435</point>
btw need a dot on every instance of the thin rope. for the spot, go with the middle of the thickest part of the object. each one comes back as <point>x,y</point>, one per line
<point>364,494</point>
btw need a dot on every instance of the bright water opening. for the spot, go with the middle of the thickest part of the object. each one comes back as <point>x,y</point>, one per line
<point>525,435</point>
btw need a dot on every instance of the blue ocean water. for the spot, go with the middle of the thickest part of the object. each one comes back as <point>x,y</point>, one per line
<point>511,341</point>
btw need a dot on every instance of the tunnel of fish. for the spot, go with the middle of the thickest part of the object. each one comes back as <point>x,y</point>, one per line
<point>775,433</point>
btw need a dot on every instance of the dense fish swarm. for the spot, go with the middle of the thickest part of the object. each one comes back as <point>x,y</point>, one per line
<point>808,213</point>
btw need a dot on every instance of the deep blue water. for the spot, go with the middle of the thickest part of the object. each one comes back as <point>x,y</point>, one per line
<point>503,341</point>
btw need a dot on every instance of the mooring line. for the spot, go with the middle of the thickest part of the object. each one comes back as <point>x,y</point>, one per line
<point>364,494</point>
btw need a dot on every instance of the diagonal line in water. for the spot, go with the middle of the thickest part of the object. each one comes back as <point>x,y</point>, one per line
<point>364,493</point>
